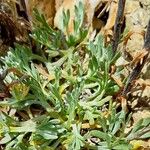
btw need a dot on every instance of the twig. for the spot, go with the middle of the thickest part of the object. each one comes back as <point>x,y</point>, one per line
<point>147,38</point>
<point>3,88</point>
<point>138,68</point>
<point>118,25</point>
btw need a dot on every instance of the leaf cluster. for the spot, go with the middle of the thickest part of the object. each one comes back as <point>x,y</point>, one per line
<point>66,99</point>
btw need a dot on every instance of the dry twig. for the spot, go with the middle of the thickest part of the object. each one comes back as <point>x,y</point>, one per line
<point>138,68</point>
<point>118,25</point>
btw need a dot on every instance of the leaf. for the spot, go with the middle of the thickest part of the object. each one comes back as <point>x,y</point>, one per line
<point>48,135</point>
<point>19,91</point>
<point>140,124</point>
<point>74,139</point>
<point>122,146</point>
<point>66,18</point>
<point>89,116</point>
<point>99,134</point>
<point>140,129</point>
<point>45,7</point>
<point>119,121</point>
<point>28,126</point>
<point>44,73</point>
<point>6,139</point>
<point>146,135</point>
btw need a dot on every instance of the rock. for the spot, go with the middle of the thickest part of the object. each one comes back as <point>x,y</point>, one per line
<point>136,20</point>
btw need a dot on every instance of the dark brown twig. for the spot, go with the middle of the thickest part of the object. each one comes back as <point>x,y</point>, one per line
<point>118,25</point>
<point>3,88</point>
<point>147,38</point>
<point>22,9</point>
<point>8,28</point>
<point>138,68</point>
